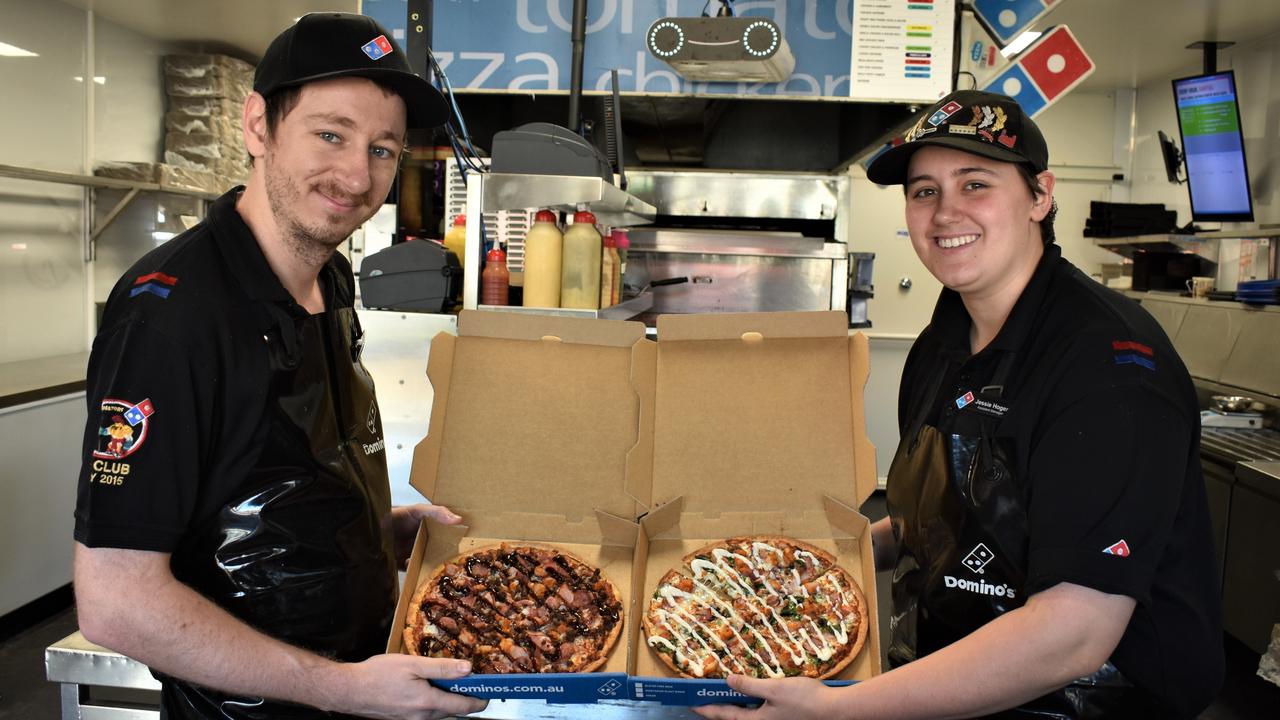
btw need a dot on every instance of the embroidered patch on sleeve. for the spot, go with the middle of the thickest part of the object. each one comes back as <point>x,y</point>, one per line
<point>122,428</point>
<point>1129,352</point>
<point>156,283</point>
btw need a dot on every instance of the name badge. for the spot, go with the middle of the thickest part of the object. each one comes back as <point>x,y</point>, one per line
<point>991,405</point>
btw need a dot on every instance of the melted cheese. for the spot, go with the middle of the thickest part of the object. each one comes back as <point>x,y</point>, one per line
<point>723,572</point>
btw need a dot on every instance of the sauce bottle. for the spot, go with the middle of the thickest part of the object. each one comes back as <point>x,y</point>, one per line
<point>494,281</point>
<point>543,248</point>
<point>608,269</point>
<point>611,246</point>
<point>580,273</point>
<point>456,239</point>
<point>623,243</point>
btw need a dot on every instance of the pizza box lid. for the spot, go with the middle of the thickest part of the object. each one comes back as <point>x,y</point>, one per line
<point>539,416</point>
<point>761,412</point>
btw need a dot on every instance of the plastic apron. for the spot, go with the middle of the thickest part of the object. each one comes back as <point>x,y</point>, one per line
<point>960,518</point>
<point>305,552</point>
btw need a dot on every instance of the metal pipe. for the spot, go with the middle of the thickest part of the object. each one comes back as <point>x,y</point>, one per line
<point>575,78</point>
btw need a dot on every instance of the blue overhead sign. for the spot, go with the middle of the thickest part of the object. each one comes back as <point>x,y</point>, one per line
<point>525,45</point>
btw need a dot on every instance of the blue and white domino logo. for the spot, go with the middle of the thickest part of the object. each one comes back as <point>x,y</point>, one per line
<point>1008,18</point>
<point>610,688</point>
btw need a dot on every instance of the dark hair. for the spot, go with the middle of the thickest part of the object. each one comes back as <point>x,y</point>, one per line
<point>1033,184</point>
<point>279,104</point>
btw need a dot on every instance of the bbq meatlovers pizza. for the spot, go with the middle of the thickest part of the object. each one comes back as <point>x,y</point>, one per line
<point>763,606</point>
<point>516,609</point>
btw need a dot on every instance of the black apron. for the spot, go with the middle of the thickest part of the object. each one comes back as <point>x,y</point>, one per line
<point>960,518</point>
<point>304,553</point>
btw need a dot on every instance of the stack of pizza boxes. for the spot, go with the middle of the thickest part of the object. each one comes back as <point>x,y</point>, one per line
<point>630,454</point>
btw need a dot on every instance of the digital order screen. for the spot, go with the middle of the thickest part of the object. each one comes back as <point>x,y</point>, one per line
<point>1209,121</point>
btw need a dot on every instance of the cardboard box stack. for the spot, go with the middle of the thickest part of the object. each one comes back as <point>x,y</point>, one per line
<point>631,453</point>
<point>202,127</point>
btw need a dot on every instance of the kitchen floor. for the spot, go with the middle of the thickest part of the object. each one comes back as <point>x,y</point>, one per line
<point>26,695</point>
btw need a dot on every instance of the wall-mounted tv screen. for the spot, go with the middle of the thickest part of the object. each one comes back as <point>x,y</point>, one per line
<point>1213,145</point>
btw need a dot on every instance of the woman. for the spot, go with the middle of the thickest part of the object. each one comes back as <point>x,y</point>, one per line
<point>1047,524</point>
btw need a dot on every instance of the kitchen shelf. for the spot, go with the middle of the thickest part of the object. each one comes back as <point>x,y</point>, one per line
<point>494,192</point>
<point>624,310</point>
<point>93,181</point>
<point>611,206</point>
<point>1194,244</point>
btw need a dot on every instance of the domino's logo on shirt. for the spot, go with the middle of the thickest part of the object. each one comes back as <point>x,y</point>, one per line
<point>377,48</point>
<point>963,400</point>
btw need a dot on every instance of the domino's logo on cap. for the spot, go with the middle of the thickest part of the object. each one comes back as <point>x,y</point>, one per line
<point>377,48</point>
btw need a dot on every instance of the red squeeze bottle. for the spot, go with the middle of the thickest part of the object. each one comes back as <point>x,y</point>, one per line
<point>495,280</point>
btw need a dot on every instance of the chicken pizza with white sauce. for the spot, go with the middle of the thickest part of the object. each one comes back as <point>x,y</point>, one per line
<point>763,606</point>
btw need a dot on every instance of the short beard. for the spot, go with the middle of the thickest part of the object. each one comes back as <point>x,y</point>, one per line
<point>315,244</point>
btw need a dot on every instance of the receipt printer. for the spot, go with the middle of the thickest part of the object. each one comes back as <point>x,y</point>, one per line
<point>415,275</point>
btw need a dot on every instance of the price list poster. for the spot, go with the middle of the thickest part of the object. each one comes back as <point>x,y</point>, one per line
<point>902,50</point>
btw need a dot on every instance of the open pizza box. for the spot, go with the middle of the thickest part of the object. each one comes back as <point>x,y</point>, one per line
<point>758,430</point>
<point>628,453</point>
<point>532,436</point>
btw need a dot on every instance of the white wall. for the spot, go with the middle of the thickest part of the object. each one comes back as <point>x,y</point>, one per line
<point>43,119</point>
<point>1083,153</point>
<point>45,284</point>
<point>42,125</point>
<point>1257,69</point>
<point>41,450</point>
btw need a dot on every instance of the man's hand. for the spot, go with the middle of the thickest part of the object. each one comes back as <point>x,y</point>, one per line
<point>786,699</point>
<point>396,687</point>
<point>405,520</point>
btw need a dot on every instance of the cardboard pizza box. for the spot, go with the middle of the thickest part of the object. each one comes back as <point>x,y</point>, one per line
<point>758,429</point>
<point>630,453</point>
<point>533,431</point>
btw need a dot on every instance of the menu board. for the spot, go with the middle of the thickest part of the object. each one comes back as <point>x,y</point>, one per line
<point>902,49</point>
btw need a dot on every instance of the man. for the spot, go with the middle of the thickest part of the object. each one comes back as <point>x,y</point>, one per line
<point>1047,524</point>
<point>243,545</point>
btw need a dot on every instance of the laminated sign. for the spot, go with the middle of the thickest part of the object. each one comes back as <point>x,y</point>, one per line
<point>1044,72</point>
<point>1006,19</point>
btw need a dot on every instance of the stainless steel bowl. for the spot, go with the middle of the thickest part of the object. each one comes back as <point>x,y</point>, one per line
<point>1233,403</point>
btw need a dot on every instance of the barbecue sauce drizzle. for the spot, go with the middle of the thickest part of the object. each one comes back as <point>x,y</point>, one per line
<point>495,581</point>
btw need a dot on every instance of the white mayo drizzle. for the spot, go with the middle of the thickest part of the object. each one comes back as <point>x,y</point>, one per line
<point>736,585</point>
<point>796,574</point>
<point>659,640</point>
<point>821,651</point>
<point>812,558</point>
<point>697,669</point>
<point>755,552</point>
<point>708,593</point>
<point>826,650</point>
<point>699,599</point>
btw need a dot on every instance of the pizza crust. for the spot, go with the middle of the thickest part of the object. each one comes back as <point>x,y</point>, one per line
<point>415,621</point>
<point>827,564</point>
<point>650,629</point>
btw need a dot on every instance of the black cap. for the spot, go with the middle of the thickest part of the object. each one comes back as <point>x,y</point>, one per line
<point>981,123</point>
<point>327,45</point>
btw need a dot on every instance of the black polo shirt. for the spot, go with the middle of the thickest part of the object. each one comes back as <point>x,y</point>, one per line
<point>1104,425</point>
<point>179,380</point>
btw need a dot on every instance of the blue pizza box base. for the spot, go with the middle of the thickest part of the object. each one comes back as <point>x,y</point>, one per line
<point>689,692</point>
<point>558,688</point>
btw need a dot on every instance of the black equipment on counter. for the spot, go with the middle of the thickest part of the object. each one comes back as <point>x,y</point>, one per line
<point>416,275</point>
<point>1108,219</point>
<point>1160,270</point>
<point>545,149</point>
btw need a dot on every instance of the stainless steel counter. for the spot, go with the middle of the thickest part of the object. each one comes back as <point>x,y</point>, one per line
<point>1263,477</point>
<point>80,667</point>
<point>1235,445</point>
